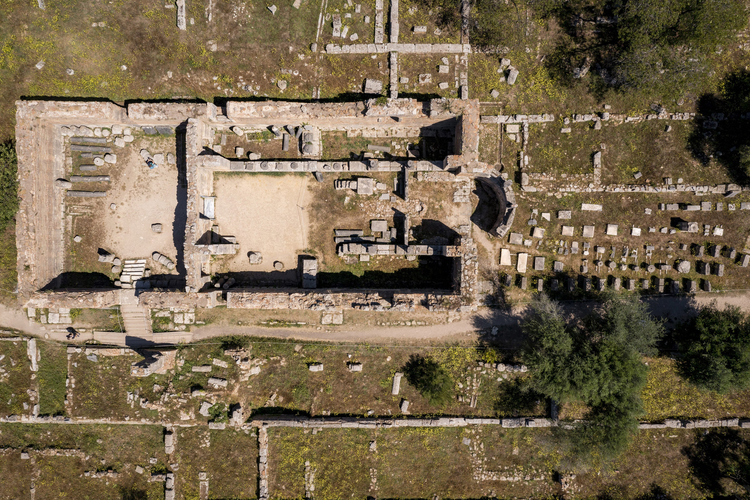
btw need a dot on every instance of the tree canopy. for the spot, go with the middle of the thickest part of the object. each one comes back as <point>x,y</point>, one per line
<point>715,349</point>
<point>430,379</point>
<point>663,45</point>
<point>718,455</point>
<point>596,361</point>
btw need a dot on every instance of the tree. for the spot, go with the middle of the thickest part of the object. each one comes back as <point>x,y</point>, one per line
<point>548,348</point>
<point>715,349</point>
<point>430,379</point>
<point>596,361</point>
<point>652,45</point>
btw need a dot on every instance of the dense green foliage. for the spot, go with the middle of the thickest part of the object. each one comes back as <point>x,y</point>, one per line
<point>715,349</point>
<point>596,361</point>
<point>8,184</point>
<point>663,46</point>
<point>430,379</point>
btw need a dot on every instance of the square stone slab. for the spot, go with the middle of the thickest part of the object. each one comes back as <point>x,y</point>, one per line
<point>588,231</point>
<point>567,230</point>
<point>516,239</point>
<point>611,229</point>
<point>378,226</point>
<point>539,263</point>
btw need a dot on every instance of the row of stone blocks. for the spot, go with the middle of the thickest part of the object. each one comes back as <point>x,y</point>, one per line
<point>375,423</point>
<point>328,166</point>
<point>642,188</point>
<point>388,249</point>
<point>407,48</point>
<point>697,424</point>
<point>517,118</point>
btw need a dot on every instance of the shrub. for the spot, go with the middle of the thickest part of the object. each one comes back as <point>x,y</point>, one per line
<point>430,379</point>
<point>715,348</point>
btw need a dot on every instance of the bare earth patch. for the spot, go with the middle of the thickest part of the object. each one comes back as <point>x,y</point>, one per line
<point>143,197</point>
<point>267,214</point>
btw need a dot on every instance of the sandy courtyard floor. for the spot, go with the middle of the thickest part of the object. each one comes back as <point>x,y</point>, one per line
<point>142,197</point>
<point>267,214</point>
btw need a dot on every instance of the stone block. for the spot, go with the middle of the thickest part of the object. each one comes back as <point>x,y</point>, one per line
<point>591,207</point>
<point>505,257</point>
<point>522,262</point>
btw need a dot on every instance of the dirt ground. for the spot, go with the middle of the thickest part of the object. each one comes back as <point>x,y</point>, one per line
<point>267,214</point>
<point>142,197</point>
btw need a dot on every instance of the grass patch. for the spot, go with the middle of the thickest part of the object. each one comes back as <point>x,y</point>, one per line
<point>229,457</point>
<point>15,378</point>
<point>667,395</point>
<point>53,370</point>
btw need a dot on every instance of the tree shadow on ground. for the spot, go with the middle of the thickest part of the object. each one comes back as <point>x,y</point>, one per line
<point>516,398</point>
<point>655,493</point>
<point>720,132</point>
<point>720,458</point>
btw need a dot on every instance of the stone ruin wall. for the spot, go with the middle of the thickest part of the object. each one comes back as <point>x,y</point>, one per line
<point>39,222</point>
<point>33,115</point>
<point>335,301</point>
<point>199,183</point>
<point>83,299</point>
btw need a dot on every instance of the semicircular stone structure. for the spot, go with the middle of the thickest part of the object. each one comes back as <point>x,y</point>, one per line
<point>502,192</point>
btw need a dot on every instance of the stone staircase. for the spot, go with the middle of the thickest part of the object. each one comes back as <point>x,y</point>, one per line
<point>136,318</point>
<point>136,321</point>
<point>133,272</point>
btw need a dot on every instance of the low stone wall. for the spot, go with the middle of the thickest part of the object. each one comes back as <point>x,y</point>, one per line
<point>372,165</point>
<point>85,111</point>
<point>336,301</point>
<point>176,300</point>
<point>84,299</point>
<point>406,48</point>
<point>697,424</point>
<point>176,112</point>
<point>293,112</point>
<point>517,118</point>
<point>376,423</point>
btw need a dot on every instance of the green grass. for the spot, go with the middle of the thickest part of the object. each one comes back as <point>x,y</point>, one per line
<point>229,457</point>
<point>53,370</point>
<point>667,395</point>
<point>119,448</point>
<point>15,380</point>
